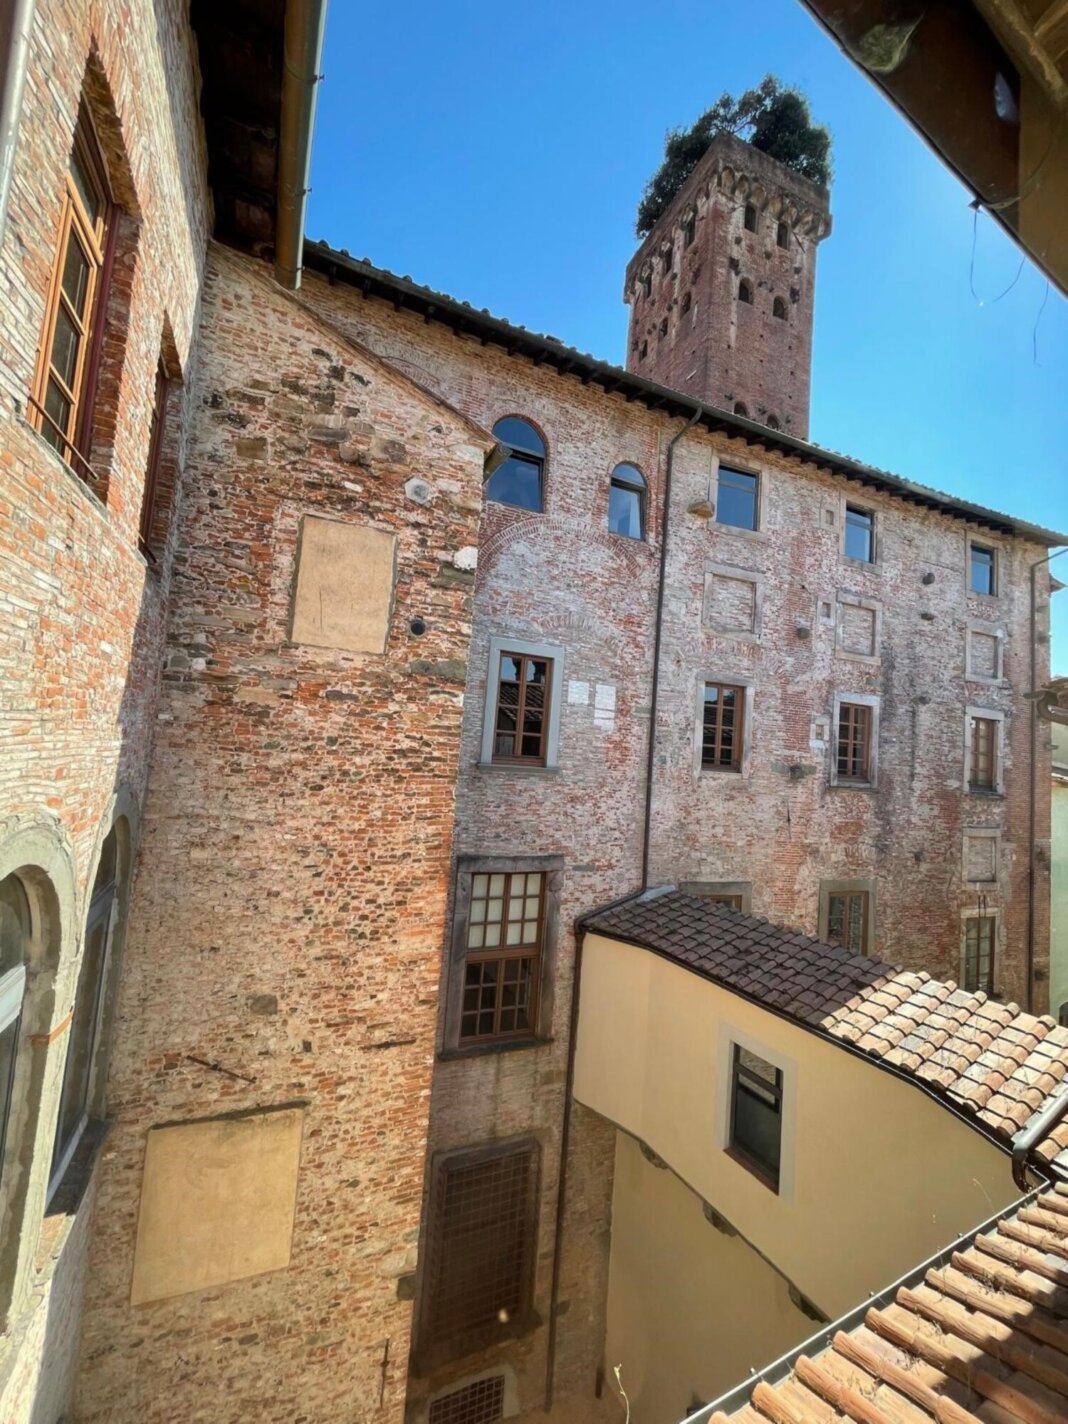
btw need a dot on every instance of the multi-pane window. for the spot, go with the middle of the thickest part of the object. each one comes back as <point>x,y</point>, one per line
<point>979,954</point>
<point>502,967</point>
<point>481,1239</point>
<point>860,534</point>
<point>15,930</point>
<point>519,480</point>
<point>982,564</point>
<point>983,768</point>
<point>521,723</point>
<point>847,919</point>
<point>756,1114</point>
<point>626,502</point>
<point>155,451</point>
<point>62,389</point>
<point>737,498</point>
<point>853,751</point>
<point>723,726</point>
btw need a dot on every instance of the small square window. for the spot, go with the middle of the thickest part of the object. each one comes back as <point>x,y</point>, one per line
<point>756,1115</point>
<point>983,569</point>
<point>737,498</point>
<point>860,534</point>
<point>979,954</point>
<point>723,728</point>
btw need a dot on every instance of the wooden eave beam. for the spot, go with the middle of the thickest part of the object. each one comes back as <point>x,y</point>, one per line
<point>1019,36</point>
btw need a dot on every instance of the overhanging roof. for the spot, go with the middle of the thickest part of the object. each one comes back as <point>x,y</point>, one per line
<point>405,295</point>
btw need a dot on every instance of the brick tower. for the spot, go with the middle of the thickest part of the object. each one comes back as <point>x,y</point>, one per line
<point>721,291</point>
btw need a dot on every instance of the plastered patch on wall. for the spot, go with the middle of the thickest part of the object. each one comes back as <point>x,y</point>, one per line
<point>217,1202</point>
<point>344,590</point>
<point>604,707</point>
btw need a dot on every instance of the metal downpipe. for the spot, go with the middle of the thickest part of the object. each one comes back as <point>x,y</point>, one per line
<point>303,51</point>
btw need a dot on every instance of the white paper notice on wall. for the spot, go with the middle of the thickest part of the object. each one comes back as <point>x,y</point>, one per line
<point>604,706</point>
<point>578,693</point>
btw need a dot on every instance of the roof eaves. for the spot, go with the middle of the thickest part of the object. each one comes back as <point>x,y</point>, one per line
<point>404,294</point>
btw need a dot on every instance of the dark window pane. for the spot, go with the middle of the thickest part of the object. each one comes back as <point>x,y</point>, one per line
<point>520,435</point>
<point>982,569</point>
<point>756,1111</point>
<point>14,924</point>
<point>737,500</point>
<point>76,275</point>
<point>625,511</point>
<point>517,482</point>
<point>57,406</point>
<point>859,540</point>
<point>65,344</point>
<point>77,1073</point>
<point>83,183</point>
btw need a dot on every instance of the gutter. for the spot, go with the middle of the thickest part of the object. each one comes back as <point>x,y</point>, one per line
<point>302,56</point>
<point>16,42</point>
<point>1032,808</point>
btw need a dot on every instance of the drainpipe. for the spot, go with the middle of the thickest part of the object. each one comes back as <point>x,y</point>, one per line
<point>303,52</point>
<point>1033,799</point>
<point>654,698</point>
<point>15,47</point>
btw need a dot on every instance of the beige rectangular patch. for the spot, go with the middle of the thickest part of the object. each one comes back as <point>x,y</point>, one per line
<point>217,1202</point>
<point>980,857</point>
<point>982,654</point>
<point>856,629</point>
<point>730,603</point>
<point>344,591</point>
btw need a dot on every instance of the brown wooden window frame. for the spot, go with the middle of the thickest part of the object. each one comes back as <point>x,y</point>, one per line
<point>540,758</point>
<point>495,1257</point>
<point>983,761</point>
<point>853,743</point>
<point>847,897</point>
<point>985,926</point>
<point>715,761</point>
<point>502,957</point>
<point>94,237</point>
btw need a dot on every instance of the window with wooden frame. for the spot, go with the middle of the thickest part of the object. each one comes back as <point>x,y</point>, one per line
<point>61,399</point>
<point>155,454</point>
<point>983,757</point>
<point>723,726</point>
<point>756,1115</point>
<point>502,967</point>
<point>480,1246</point>
<point>853,750</point>
<point>979,936</point>
<point>848,914</point>
<point>521,722</point>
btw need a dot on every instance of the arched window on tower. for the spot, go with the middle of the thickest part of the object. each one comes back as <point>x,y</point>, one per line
<point>745,291</point>
<point>778,308</point>
<point>14,952</point>
<point>782,235</point>
<point>772,422</point>
<point>647,283</point>
<point>750,217</point>
<point>644,351</point>
<point>519,480</point>
<point>663,327</point>
<point>687,302</point>
<point>689,230</point>
<point>740,408</point>
<point>626,502</point>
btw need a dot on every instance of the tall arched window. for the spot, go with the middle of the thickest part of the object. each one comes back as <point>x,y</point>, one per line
<point>782,235</point>
<point>745,291</point>
<point>778,308</point>
<point>519,481</point>
<point>740,408</point>
<point>772,422</point>
<point>15,930</point>
<point>626,502</point>
<point>750,218</point>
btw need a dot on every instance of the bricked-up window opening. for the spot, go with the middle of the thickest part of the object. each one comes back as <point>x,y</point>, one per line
<point>750,218</point>
<point>736,498</point>
<point>84,1033</point>
<point>979,954</point>
<point>502,968</point>
<point>15,931</point>
<point>520,479</point>
<point>723,728</point>
<point>61,398</point>
<point>155,455</point>
<point>860,534</point>
<point>983,564</point>
<point>983,772</point>
<point>778,308</point>
<point>782,235</point>
<point>745,291</point>
<point>756,1115</point>
<point>626,502</point>
<point>854,743</point>
<point>740,408</point>
<point>480,1242</point>
<point>847,919</point>
<point>687,302</point>
<point>521,726</point>
<point>689,230</point>
<point>479,1403</point>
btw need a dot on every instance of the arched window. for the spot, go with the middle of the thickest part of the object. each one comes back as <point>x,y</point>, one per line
<point>15,929</point>
<point>740,408</point>
<point>778,308</point>
<point>647,282</point>
<point>83,1047</point>
<point>750,218</point>
<point>689,229</point>
<point>669,260</point>
<point>663,327</point>
<point>782,235</point>
<point>520,479</point>
<point>626,502</point>
<point>687,302</point>
<point>745,291</point>
<point>644,351</point>
<point>773,422</point>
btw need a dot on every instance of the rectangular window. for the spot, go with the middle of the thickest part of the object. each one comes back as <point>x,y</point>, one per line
<point>502,968</point>
<point>669,260</point>
<point>62,389</point>
<point>736,500</point>
<point>854,743</point>
<point>521,725</point>
<point>756,1115</point>
<point>689,230</point>
<point>481,1239</point>
<point>860,534</point>
<point>983,569</point>
<point>979,954</point>
<point>721,734</point>
<point>155,449</point>
<point>847,919</point>
<point>718,897</point>
<point>983,772</point>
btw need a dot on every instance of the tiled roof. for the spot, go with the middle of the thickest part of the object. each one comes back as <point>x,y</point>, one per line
<point>980,1337</point>
<point>992,1062</point>
<point>460,316</point>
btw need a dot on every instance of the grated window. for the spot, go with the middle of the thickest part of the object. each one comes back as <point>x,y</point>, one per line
<point>478,1403</point>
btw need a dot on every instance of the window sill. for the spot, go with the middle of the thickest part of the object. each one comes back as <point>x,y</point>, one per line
<point>842,785</point>
<point>58,462</point>
<point>760,535</point>
<point>483,1050</point>
<point>762,1175</point>
<point>872,565</point>
<point>517,766</point>
<point>988,793</point>
<point>737,771</point>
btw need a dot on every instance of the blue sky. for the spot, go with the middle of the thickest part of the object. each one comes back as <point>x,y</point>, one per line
<point>498,153</point>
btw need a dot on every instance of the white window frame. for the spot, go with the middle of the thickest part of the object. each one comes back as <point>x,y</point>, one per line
<point>498,646</point>
<point>859,699</point>
<point>729,1036</point>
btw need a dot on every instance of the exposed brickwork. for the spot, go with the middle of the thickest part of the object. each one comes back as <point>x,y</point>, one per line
<point>695,332</point>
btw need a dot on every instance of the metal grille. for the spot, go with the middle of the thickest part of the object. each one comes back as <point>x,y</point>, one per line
<point>854,742</point>
<point>721,734</point>
<point>478,1403</point>
<point>481,1241</point>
